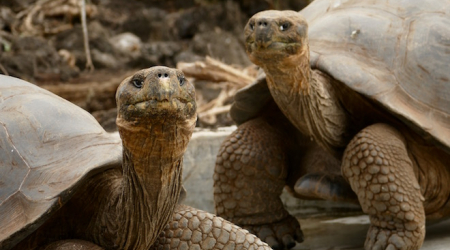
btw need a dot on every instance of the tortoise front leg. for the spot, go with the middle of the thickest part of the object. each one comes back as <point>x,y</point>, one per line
<point>380,172</point>
<point>250,174</point>
<point>195,229</point>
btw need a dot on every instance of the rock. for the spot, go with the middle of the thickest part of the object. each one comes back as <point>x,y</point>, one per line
<point>188,56</point>
<point>158,53</point>
<point>106,118</point>
<point>7,18</point>
<point>221,45</point>
<point>35,59</point>
<point>225,15</point>
<point>127,43</point>
<point>104,60</point>
<point>149,24</point>
<point>104,54</point>
<point>199,162</point>
<point>251,7</point>
<point>17,5</point>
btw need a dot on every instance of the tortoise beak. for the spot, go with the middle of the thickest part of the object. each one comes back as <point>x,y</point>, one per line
<point>263,33</point>
<point>161,85</point>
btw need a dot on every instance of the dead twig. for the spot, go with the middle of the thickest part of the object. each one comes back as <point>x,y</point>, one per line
<point>215,111</point>
<point>28,22</point>
<point>231,79</point>
<point>216,71</point>
<point>68,8</point>
<point>57,29</point>
<point>218,101</point>
<point>89,64</point>
<point>41,18</point>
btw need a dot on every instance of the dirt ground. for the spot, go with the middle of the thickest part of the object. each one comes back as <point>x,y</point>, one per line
<point>42,41</point>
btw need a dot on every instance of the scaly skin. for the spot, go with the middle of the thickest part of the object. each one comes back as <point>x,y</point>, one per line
<point>398,176</point>
<point>191,228</point>
<point>253,166</point>
<point>378,167</point>
<point>252,169</point>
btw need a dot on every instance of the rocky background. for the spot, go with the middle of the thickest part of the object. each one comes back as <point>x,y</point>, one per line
<point>41,41</point>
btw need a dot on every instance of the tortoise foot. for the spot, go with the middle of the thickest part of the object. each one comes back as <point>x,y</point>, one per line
<point>279,235</point>
<point>385,239</point>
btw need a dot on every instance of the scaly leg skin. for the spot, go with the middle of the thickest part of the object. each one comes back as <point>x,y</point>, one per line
<point>250,174</point>
<point>380,172</point>
<point>195,229</point>
<point>189,229</point>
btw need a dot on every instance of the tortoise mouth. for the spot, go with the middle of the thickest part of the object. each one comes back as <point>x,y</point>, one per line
<point>288,48</point>
<point>154,102</point>
<point>175,109</point>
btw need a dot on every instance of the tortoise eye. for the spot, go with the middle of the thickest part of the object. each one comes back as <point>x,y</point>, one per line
<point>182,80</point>
<point>251,25</point>
<point>285,26</point>
<point>137,83</point>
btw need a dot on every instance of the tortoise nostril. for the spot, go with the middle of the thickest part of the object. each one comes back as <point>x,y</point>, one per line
<point>165,75</point>
<point>262,24</point>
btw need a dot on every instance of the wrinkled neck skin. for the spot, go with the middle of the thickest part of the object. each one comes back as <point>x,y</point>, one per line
<point>151,183</point>
<point>308,99</point>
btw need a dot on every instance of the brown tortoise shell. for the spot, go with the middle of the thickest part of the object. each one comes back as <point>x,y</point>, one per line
<point>48,148</point>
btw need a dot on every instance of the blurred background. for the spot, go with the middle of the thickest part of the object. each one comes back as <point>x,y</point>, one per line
<point>42,41</point>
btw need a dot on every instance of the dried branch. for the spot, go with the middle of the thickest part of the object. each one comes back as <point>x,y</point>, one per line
<point>34,20</point>
<point>216,71</point>
<point>231,79</point>
<point>28,22</point>
<point>89,64</point>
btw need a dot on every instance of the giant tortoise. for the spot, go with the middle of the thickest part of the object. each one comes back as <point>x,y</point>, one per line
<point>67,184</point>
<point>358,101</point>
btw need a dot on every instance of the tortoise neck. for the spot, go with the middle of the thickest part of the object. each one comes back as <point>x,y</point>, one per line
<point>291,75</point>
<point>151,185</point>
<point>308,99</point>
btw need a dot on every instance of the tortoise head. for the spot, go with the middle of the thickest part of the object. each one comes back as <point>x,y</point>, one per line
<point>271,36</point>
<point>156,95</point>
